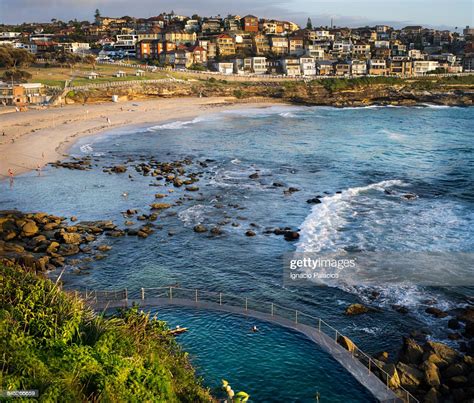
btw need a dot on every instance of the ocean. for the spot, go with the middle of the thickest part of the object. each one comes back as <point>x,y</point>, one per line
<point>361,163</point>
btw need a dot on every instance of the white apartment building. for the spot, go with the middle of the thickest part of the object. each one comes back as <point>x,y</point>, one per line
<point>424,66</point>
<point>308,66</point>
<point>315,51</point>
<point>291,66</point>
<point>258,65</point>
<point>76,47</point>
<point>359,67</point>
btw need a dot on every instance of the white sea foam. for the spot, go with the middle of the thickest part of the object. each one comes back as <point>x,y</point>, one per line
<point>237,176</point>
<point>394,135</point>
<point>434,106</point>
<point>262,112</point>
<point>287,115</point>
<point>319,230</point>
<point>195,214</point>
<point>180,124</point>
<point>86,148</point>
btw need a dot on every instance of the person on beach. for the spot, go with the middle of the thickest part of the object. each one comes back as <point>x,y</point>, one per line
<point>10,174</point>
<point>254,329</point>
<point>38,169</point>
<point>3,133</point>
<point>108,120</point>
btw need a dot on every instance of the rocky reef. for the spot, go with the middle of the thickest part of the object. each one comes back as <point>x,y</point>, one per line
<point>337,92</point>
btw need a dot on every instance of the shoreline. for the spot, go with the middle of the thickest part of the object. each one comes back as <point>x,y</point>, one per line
<point>38,137</point>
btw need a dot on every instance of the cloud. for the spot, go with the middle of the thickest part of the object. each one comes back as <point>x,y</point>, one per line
<point>344,12</point>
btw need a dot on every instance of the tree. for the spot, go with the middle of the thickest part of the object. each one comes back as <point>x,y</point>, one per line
<point>16,75</point>
<point>97,15</point>
<point>309,24</point>
<point>6,59</point>
<point>15,57</point>
<point>67,58</point>
<point>90,59</point>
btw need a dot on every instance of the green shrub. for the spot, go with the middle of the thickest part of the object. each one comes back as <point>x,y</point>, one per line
<point>239,94</point>
<point>50,341</point>
<point>339,84</point>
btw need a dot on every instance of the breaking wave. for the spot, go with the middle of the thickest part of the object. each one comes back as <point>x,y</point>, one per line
<point>180,124</point>
<point>319,230</point>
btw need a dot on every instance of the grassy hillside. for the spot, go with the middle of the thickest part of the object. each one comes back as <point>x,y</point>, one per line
<point>51,342</point>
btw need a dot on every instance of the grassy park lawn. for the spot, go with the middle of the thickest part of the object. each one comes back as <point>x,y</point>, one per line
<point>57,76</point>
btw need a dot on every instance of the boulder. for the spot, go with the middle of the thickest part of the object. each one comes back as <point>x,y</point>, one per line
<point>433,396</point>
<point>116,233</point>
<point>400,309</point>
<point>346,343</point>
<point>291,235</point>
<point>466,315</point>
<point>437,360</point>
<point>438,313</point>
<point>455,370</point>
<point>68,249</point>
<point>104,248</point>
<point>29,229</point>
<point>70,237</point>
<point>200,228</point>
<point>410,376</point>
<point>160,206</point>
<point>13,247</point>
<point>192,188</point>
<point>290,190</point>
<point>50,226</point>
<point>356,309</point>
<point>393,377</point>
<point>382,356</point>
<point>250,233</point>
<point>446,353</point>
<point>159,196</point>
<point>254,176</point>
<point>119,169</point>
<point>9,236</point>
<point>216,231</point>
<point>431,373</point>
<point>314,200</point>
<point>53,247</point>
<point>412,352</point>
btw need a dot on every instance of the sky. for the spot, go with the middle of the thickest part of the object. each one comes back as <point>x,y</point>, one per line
<point>443,14</point>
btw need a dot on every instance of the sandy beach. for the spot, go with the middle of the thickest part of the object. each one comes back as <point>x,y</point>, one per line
<point>31,139</point>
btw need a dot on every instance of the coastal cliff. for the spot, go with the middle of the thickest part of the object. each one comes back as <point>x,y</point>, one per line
<point>339,92</point>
